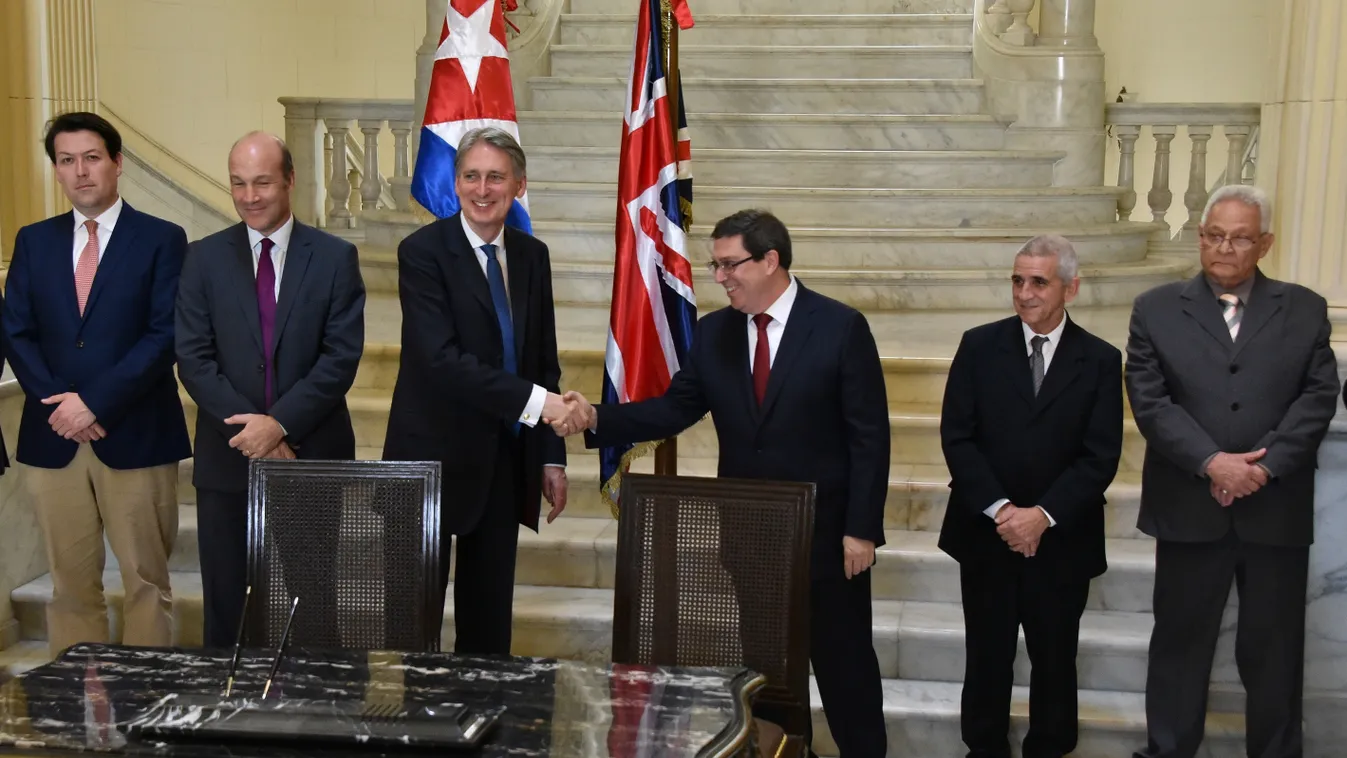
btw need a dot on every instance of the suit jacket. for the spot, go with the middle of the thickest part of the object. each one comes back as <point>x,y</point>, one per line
<point>1195,393</point>
<point>1058,449</point>
<point>318,339</point>
<point>118,356</point>
<point>824,418</point>
<point>453,397</point>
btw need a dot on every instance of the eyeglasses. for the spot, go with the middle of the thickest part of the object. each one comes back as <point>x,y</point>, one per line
<point>726,266</point>
<point>1240,244</point>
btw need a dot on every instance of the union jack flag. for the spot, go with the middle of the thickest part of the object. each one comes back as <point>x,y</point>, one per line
<point>653,305</point>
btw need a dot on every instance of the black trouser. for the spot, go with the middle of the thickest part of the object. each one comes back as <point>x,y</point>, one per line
<point>1192,584</point>
<point>485,561</point>
<point>222,539</point>
<point>997,600</point>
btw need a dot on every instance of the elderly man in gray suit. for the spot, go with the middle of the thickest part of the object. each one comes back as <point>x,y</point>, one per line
<point>1233,384</point>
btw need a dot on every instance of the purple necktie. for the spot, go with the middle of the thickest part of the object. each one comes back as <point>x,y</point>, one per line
<point>266,310</point>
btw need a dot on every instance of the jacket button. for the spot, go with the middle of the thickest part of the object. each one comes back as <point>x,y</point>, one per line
<point>79,343</point>
<point>1234,406</point>
<point>72,388</point>
<point>1234,369</point>
<point>261,367</point>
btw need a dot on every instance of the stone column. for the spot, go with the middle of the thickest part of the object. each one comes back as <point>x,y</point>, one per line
<point>1303,147</point>
<point>425,61</point>
<point>1066,23</point>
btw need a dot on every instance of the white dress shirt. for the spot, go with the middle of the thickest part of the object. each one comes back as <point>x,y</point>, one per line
<point>1049,349</point>
<point>107,221</point>
<point>779,311</point>
<point>280,240</point>
<point>533,409</point>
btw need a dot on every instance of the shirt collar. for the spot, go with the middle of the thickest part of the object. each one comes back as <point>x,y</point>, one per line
<point>107,220</point>
<point>1054,336</point>
<point>780,310</point>
<point>1242,290</point>
<point>477,241</point>
<point>280,238</point>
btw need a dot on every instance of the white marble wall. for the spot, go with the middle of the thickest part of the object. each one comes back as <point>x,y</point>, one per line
<point>1326,614</point>
<point>22,557</point>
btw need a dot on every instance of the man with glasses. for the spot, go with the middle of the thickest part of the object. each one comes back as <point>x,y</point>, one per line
<point>1233,384</point>
<point>794,384</point>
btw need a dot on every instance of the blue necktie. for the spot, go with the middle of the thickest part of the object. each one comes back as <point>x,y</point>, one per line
<point>495,279</point>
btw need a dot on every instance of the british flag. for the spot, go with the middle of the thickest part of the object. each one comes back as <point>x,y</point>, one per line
<point>469,88</point>
<point>653,306</point>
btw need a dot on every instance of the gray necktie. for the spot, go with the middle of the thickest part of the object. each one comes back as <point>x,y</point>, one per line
<point>1036,361</point>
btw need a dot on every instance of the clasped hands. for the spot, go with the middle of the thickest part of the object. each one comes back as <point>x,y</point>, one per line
<point>72,419</point>
<point>262,437</point>
<point>568,414</point>
<point>1236,475</point>
<point>1021,528</point>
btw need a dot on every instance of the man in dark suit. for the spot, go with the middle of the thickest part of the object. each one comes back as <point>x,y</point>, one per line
<point>1233,384</point>
<point>88,320</point>
<point>271,326</point>
<point>478,371</point>
<point>1031,427</point>
<point>794,385</point>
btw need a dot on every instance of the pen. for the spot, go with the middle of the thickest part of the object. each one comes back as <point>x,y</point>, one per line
<point>280,650</point>
<point>238,642</point>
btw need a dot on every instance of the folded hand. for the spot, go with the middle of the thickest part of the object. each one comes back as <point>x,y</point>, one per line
<point>1021,528</point>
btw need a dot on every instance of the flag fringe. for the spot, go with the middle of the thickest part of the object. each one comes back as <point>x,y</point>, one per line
<point>613,487</point>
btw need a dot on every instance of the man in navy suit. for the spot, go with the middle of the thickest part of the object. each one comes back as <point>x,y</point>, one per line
<point>89,322</point>
<point>793,382</point>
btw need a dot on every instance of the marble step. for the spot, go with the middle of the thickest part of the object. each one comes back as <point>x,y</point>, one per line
<point>867,248</point>
<point>871,289</point>
<point>787,29</point>
<point>925,96</point>
<point>798,131</point>
<point>1062,207</point>
<point>843,169</point>
<point>770,61</point>
<point>781,7</point>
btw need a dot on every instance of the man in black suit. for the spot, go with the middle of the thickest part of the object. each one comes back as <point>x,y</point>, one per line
<point>270,329</point>
<point>478,372</point>
<point>1031,427</point>
<point>1233,385</point>
<point>794,385</point>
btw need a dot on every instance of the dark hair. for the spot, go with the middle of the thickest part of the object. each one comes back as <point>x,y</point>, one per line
<point>83,121</point>
<point>761,231</point>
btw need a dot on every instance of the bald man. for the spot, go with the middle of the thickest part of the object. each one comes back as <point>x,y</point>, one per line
<point>270,328</point>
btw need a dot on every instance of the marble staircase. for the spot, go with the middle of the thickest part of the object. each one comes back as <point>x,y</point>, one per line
<point>862,124</point>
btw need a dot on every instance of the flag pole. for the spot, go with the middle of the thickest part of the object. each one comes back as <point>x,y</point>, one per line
<point>666,455</point>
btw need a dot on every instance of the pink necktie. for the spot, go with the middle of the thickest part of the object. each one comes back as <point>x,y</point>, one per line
<point>87,266</point>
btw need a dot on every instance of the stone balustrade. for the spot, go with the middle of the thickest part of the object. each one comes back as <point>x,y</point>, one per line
<point>1062,23</point>
<point>327,188</point>
<point>1239,126</point>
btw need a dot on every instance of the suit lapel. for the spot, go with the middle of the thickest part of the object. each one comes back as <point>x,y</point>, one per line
<point>737,342</point>
<point>245,282</point>
<point>1202,306</point>
<point>1063,370</point>
<point>465,261</point>
<point>292,278</point>
<point>1265,302</point>
<point>1018,372</point>
<point>519,272</point>
<point>128,225</point>
<point>799,326</point>
<point>65,242</point>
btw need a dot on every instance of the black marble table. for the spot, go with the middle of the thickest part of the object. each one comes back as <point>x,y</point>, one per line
<point>85,698</point>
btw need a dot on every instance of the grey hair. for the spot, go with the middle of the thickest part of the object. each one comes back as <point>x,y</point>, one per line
<point>1045,245</point>
<point>497,138</point>
<point>1252,196</point>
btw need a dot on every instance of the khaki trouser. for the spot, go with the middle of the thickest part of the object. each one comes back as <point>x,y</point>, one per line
<point>138,509</point>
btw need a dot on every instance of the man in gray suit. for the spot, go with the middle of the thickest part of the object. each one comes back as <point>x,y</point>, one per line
<point>270,329</point>
<point>1233,384</point>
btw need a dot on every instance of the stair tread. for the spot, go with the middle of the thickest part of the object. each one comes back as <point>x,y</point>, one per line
<point>935,156</point>
<point>795,19</point>
<point>826,118</point>
<point>1027,194</point>
<point>792,49</point>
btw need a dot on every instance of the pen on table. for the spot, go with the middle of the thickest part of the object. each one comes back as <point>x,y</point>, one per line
<point>238,642</point>
<point>280,650</point>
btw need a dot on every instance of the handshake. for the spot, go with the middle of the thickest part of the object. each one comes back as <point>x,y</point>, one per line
<point>569,414</point>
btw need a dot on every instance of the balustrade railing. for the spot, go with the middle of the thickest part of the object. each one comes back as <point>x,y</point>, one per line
<point>1238,123</point>
<point>330,187</point>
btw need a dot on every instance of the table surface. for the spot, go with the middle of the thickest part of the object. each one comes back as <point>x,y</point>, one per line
<point>83,699</point>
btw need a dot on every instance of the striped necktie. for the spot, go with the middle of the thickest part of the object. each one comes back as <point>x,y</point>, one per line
<point>1233,310</point>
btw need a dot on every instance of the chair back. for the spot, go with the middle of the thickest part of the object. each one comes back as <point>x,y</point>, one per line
<point>715,572</point>
<point>357,541</point>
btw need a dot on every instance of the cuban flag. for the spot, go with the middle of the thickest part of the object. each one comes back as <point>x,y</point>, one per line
<point>653,305</point>
<point>469,88</point>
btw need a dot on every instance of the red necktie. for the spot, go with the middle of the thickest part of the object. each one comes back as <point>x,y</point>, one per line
<point>762,357</point>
